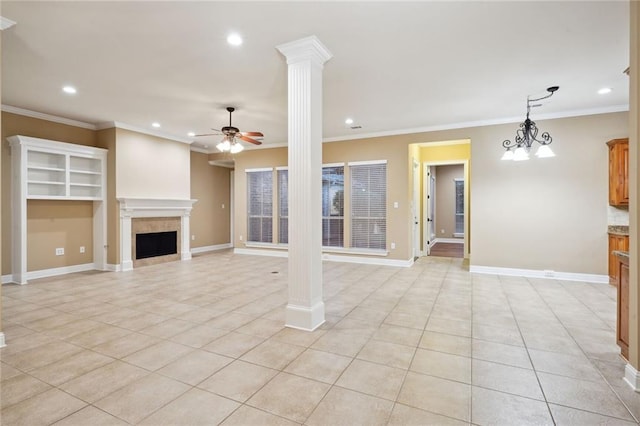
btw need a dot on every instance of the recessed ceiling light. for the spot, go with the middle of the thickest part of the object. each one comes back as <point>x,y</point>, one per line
<point>604,91</point>
<point>191,134</point>
<point>348,121</point>
<point>70,90</point>
<point>155,124</point>
<point>234,39</point>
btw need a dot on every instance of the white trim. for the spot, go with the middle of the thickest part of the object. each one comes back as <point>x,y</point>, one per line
<point>113,268</point>
<point>259,245</point>
<point>481,123</point>
<point>355,251</point>
<point>458,235</point>
<point>282,168</point>
<point>259,169</point>
<point>448,240</point>
<point>145,131</point>
<point>332,165</point>
<point>215,247</point>
<point>303,317</point>
<point>6,23</point>
<point>533,273</point>
<point>7,279</point>
<point>44,273</point>
<point>328,257</point>
<point>366,163</point>
<point>3,343</point>
<point>368,260</point>
<point>229,164</point>
<point>260,252</point>
<point>444,143</point>
<point>47,117</point>
<point>632,377</point>
<point>196,148</point>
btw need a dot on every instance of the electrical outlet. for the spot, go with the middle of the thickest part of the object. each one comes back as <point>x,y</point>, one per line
<point>395,204</point>
<point>193,238</point>
<point>60,251</point>
<point>81,249</point>
<point>393,246</point>
<point>223,206</point>
<point>240,237</point>
<point>442,231</point>
<point>549,273</point>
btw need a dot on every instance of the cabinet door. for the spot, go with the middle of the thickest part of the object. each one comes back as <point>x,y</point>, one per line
<point>619,243</point>
<point>624,166</point>
<point>618,172</point>
<point>623,311</point>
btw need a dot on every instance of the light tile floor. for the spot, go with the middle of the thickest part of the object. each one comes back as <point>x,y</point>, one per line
<point>203,342</point>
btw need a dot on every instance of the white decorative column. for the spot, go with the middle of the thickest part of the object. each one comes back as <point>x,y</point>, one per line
<point>305,58</point>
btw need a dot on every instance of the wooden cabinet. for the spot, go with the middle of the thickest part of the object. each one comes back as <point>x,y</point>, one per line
<point>622,322</point>
<point>618,172</point>
<point>620,243</point>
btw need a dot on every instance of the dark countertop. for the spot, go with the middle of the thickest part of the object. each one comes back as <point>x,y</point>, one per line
<point>618,229</point>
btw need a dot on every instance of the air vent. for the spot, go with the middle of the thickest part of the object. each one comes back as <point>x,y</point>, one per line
<point>356,127</point>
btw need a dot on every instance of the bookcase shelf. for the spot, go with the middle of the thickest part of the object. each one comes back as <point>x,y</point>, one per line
<point>50,170</point>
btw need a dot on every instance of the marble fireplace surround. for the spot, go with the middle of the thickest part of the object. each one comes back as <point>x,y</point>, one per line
<point>131,208</point>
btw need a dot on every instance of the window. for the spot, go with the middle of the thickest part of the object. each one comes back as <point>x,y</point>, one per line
<point>333,206</point>
<point>260,203</point>
<point>369,205</point>
<point>459,185</point>
<point>283,206</point>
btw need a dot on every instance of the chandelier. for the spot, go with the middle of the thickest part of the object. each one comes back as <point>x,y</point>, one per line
<point>230,144</point>
<point>527,134</point>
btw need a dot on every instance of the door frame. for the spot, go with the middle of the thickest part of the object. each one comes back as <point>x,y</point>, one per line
<point>416,174</point>
<point>426,166</point>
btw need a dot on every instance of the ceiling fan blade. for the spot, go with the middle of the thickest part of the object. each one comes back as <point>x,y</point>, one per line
<point>258,134</point>
<point>247,139</point>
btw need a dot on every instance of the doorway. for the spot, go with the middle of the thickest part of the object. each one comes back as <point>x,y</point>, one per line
<point>445,208</point>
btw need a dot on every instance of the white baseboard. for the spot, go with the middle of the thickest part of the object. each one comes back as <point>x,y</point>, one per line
<point>205,249</point>
<point>44,273</point>
<point>534,273</point>
<point>112,268</point>
<point>3,343</point>
<point>6,279</point>
<point>261,252</point>
<point>449,240</point>
<point>330,257</point>
<point>632,377</point>
<point>368,260</point>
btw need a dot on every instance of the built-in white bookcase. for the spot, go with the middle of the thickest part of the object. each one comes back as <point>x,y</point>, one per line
<point>50,170</point>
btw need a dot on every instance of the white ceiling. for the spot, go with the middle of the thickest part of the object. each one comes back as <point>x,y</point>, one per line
<point>395,66</point>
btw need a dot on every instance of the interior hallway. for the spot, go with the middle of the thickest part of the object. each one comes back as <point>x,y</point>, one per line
<point>203,342</point>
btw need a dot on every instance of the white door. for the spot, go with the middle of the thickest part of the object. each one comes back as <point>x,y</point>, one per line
<point>430,207</point>
<point>415,207</point>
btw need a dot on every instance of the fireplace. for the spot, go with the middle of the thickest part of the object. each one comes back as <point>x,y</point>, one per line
<point>140,216</point>
<point>153,244</point>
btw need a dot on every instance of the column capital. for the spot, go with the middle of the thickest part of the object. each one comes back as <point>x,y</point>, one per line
<point>308,48</point>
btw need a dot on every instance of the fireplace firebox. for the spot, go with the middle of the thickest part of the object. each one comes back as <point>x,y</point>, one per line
<point>153,244</point>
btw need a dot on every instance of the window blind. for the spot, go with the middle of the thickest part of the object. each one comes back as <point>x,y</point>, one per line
<point>283,206</point>
<point>260,206</point>
<point>333,206</point>
<point>369,205</point>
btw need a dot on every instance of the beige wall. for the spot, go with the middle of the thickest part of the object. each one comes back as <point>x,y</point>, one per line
<point>151,167</point>
<point>445,224</point>
<point>52,224</point>
<point>541,214</point>
<point>210,217</point>
<point>13,124</point>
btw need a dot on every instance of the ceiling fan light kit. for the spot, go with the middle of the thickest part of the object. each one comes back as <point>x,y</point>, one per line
<point>232,136</point>
<point>527,134</point>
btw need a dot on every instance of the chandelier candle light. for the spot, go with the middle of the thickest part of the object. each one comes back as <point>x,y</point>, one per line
<point>518,150</point>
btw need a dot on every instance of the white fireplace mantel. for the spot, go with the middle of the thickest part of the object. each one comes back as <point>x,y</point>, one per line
<point>152,207</point>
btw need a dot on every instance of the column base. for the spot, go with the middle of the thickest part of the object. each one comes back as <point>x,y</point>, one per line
<point>632,377</point>
<point>305,318</point>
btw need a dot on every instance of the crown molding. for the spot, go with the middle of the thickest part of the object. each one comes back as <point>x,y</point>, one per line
<point>125,126</point>
<point>47,117</point>
<point>308,48</point>
<point>481,123</point>
<point>6,23</point>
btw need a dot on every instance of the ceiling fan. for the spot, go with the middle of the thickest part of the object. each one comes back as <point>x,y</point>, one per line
<point>229,142</point>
